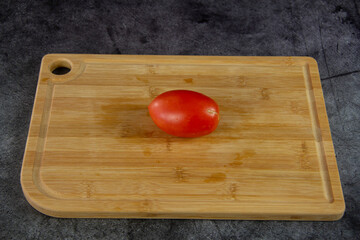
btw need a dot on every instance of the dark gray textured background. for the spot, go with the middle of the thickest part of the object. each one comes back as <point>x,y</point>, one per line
<point>329,31</point>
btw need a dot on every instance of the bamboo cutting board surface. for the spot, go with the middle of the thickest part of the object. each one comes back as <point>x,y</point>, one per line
<point>93,150</point>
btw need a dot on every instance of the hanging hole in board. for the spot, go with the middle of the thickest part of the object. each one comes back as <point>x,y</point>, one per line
<point>60,67</point>
<point>61,70</point>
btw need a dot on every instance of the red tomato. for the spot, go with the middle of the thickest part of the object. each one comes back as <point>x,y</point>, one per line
<point>184,113</point>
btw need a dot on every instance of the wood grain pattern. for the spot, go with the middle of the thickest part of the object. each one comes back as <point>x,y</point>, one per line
<point>93,150</point>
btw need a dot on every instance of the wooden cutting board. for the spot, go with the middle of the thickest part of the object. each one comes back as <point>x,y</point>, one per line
<point>93,150</point>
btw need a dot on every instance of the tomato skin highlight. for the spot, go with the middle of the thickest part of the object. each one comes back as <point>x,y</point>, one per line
<point>185,113</point>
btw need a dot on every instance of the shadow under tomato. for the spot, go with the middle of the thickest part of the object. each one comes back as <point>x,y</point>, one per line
<point>124,120</point>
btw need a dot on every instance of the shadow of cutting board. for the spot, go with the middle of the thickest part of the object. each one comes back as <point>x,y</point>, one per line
<point>93,150</point>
